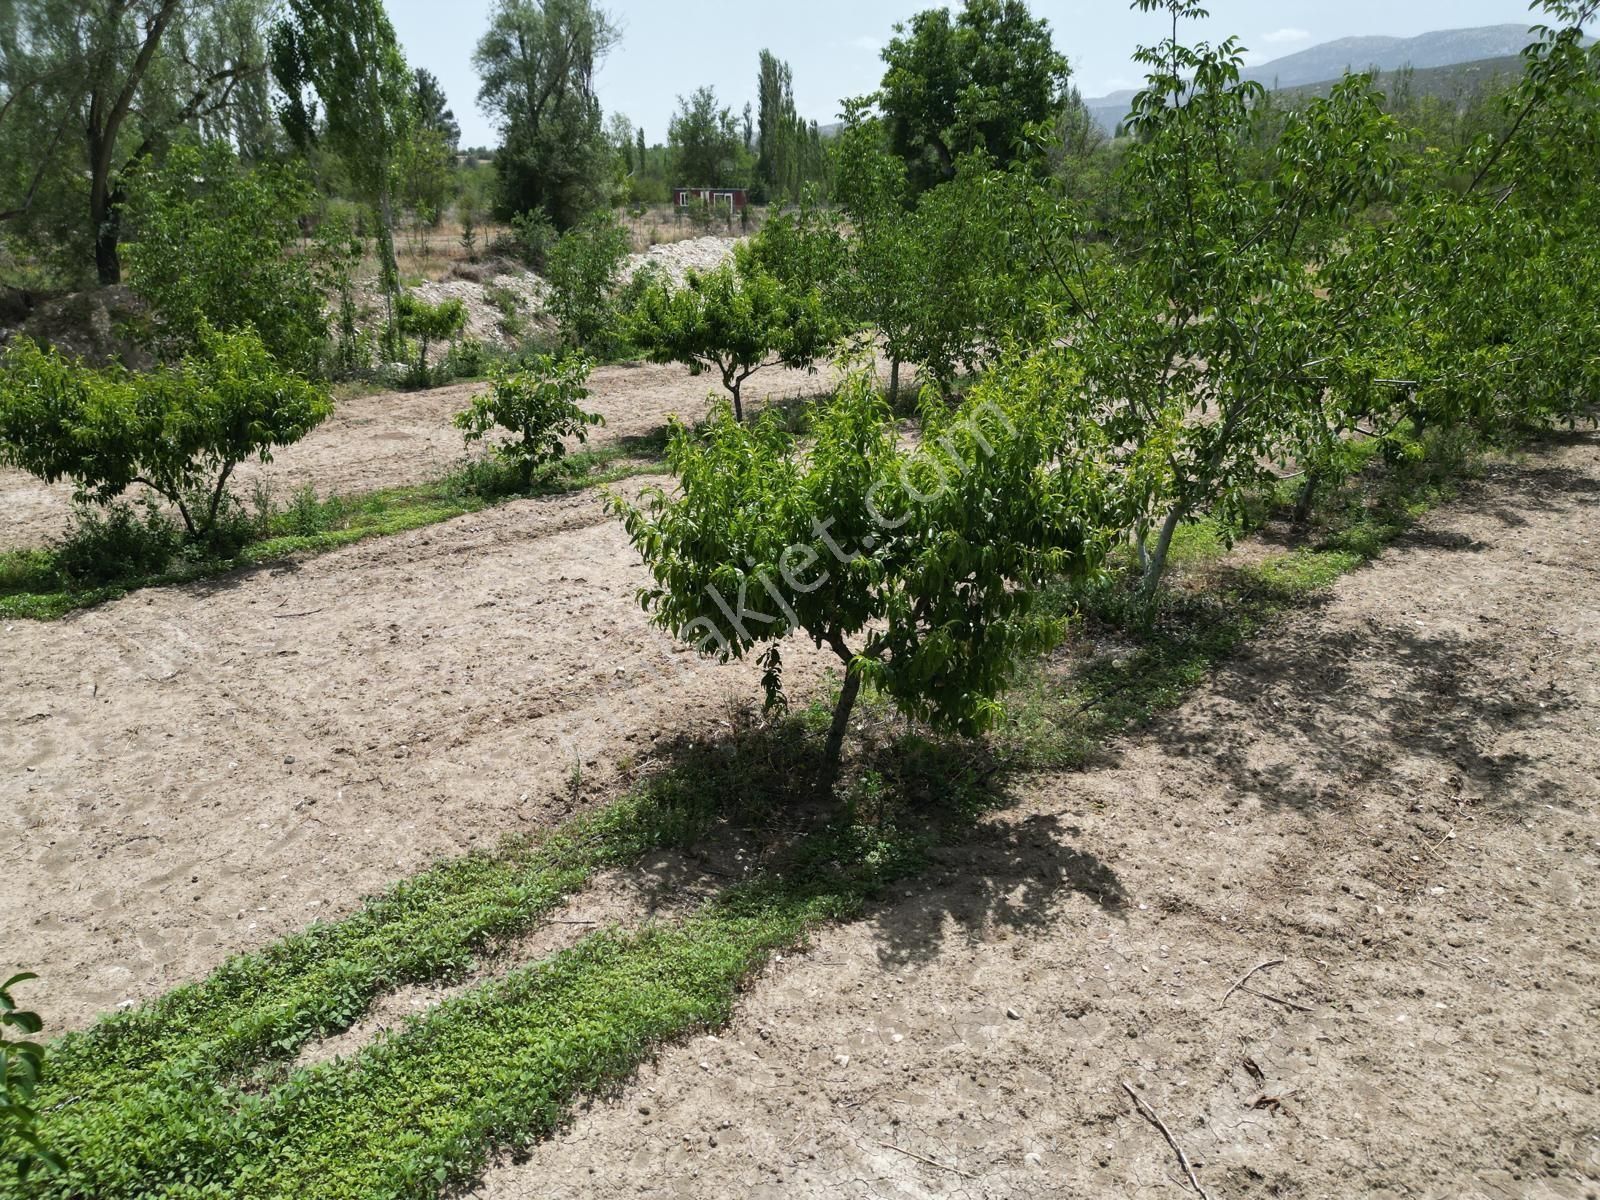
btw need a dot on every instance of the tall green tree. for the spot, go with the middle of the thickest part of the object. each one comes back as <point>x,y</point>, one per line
<point>970,82</point>
<point>344,54</point>
<point>704,140</point>
<point>434,111</point>
<point>775,123</point>
<point>91,90</point>
<point>537,62</point>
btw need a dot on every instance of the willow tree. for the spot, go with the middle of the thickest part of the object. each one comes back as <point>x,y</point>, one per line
<point>344,54</point>
<point>537,62</point>
<point>92,91</point>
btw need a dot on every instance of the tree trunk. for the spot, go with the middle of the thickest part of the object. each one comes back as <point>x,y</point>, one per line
<point>106,217</point>
<point>107,262</point>
<point>389,265</point>
<point>737,387</point>
<point>1157,565</point>
<point>1308,495</point>
<point>833,752</point>
<point>894,382</point>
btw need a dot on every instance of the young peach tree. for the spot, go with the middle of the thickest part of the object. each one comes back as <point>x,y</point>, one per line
<point>734,320</point>
<point>918,568</point>
<point>181,430</point>
<point>427,324</point>
<point>539,405</point>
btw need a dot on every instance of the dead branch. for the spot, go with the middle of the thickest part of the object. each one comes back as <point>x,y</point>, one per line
<point>1277,962</point>
<point>1278,1000</point>
<point>1149,1114</point>
<point>930,1161</point>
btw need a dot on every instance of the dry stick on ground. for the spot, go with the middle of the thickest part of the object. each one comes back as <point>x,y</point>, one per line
<point>1277,962</point>
<point>1149,1114</point>
<point>1278,1000</point>
<point>930,1161</point>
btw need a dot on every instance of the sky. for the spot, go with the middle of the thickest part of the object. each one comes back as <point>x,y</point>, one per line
<point>669,49</point>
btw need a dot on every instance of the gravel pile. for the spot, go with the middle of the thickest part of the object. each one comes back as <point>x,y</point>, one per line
<point>523,292</point>
<point>526,294</point>
<point>677,259</point>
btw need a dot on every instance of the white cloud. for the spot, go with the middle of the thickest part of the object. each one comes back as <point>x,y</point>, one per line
<point>1286,37</point>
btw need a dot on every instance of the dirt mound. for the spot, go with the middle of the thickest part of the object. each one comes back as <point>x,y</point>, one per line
<point>99,326</point>
<point>499,310</point>
<point>676,259</point>
<point>505,302</point>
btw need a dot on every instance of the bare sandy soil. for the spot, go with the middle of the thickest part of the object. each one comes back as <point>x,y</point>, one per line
<point>196,771</point>
<point>1392,798</point>
<point>397,438</point>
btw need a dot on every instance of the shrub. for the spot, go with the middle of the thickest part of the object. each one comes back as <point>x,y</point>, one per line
<point>212,247</point>
<point>116,544</point>
<point>180,430</point>
<point>583,269</point>
<point>429,323</point>
<point>918,569</point>
<point>467,359</point>
<point>539,404</point>
<point>533,234</point>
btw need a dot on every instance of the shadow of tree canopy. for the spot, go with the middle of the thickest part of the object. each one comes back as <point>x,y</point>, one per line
<point>1444,699</point>
<point>921,820</point>
<point>1348,703</point>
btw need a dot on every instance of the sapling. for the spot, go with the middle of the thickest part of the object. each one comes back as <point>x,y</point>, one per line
<point>430,323</point>
<point>919,569</point>
<point>735,320</point>
<point>539,405</point>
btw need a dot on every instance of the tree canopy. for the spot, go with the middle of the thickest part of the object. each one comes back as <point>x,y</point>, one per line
<point>537,62</point>
<point>969,82</point>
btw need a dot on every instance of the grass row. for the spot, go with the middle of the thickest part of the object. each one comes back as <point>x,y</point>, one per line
<point>108,556</point>
<point>192,1095</point>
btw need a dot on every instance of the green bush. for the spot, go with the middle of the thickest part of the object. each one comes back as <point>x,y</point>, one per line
<point>180,430</point>
<point>533,235</point>
<point>584,269</point>
<point>104,547</point>
<point>212,247</point>
<point>539,405</point>
<point>467,359</point>
<point>918,569</point>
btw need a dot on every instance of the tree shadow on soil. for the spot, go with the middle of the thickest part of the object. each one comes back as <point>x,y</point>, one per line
<point>1303,718</point>
<point>920,836</point>
<point>1329,709</point>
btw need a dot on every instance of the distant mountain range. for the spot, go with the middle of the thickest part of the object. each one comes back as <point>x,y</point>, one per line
<point>1328,62</point>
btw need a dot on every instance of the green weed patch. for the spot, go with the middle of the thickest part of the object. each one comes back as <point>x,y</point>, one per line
<point>36,584</point>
